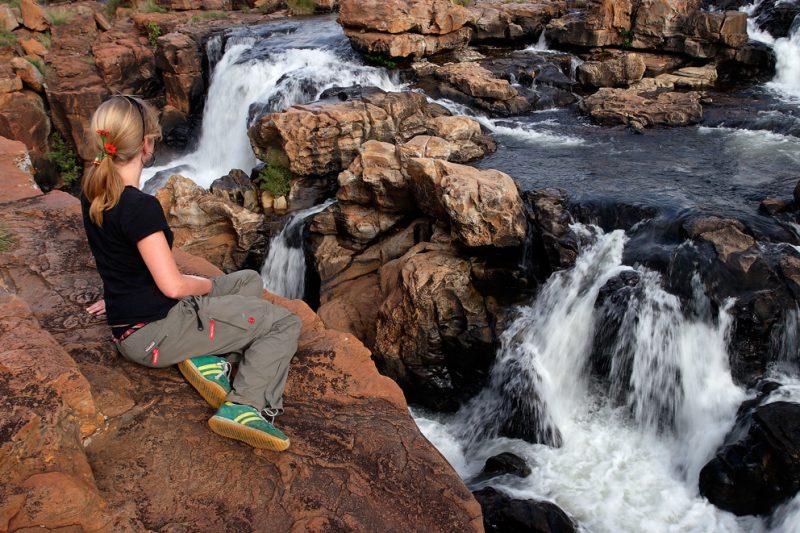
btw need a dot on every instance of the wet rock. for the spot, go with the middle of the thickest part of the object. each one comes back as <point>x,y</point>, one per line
<point>23,117</point>
<point>505,463</point>
<point>758,466</point>
<point>483,207</point>
<point>797,195</point>
<point>602,23</point>
<point>209,226</point>
<point>552,238</point>
<point>776,17</point>
<point>404,28</point>
<point>470,82</point>
<point>439,359</point>
<point>646,109</point>
<point>349,426</point>
<point>726,235</point>
<point>236,188</point>
<point>773,206</point>
<point>790,268</point>
<point>503,514</point>
<point>16,169</point>
<point>339,129</point>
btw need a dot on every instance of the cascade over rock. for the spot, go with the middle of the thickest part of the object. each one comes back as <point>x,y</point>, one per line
<point>64,466</point>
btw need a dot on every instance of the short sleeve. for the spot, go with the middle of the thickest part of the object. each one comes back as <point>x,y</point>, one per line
<point>142,217</point>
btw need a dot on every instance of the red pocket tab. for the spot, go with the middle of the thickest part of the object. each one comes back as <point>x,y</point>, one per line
<point>211,328</point>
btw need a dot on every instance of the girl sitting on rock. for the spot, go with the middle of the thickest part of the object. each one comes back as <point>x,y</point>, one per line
<point>160,317</point>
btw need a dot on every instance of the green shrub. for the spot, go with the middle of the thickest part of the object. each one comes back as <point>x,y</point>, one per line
<point>64,158</point>
<point>380,61</point>
<point>208,15</point>
<point>627,37</point>
<point>60,16</point>
<point>7,39</point>
<point>6,240</point>
<point>275,179</point>
<point>300,7</point>
<point>153,33</point>
<point>150,6</point>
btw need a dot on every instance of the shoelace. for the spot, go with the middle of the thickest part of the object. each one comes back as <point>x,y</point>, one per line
<point>271,413</point>
<point>225,369</point>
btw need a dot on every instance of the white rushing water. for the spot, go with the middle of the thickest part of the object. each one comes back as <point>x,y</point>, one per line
<point>284,269</point>
<point>787,55</point>
<point>632,445</point>
<point>276,80</point>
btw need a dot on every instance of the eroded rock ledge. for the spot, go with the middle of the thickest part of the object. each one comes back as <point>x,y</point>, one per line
<point>91,441</point>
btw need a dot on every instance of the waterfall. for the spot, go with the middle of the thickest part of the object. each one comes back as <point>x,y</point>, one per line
<point>621,452</point>
<point>268,73</point>
<point>284,269</point>
<point>787,54</point>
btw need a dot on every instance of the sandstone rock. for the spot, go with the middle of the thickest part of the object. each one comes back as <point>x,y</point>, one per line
<point>407,45</point>
<point>375,178</point>
<point>500,20</point>
<point>180,61</point>
<point>604,23</point>
<point>501,514</point>
<point>660,23</point>
<point>28,73</point>
<point>352,307</point>
<point>640,108</point>
<point>726,235</point>
<point>10,84</point>
<point>790,268</point>
<point>436,17</point>
<point>33,47</point>
<point>363,224</point>
<point>8,19</point>
<point>611,70</point>
<point>237,188</point>
<point>33,16</point>
<point>475,85</point>
<point>102,22</point>
<point>757,468</point>
<point>349,426</point>
<point>206,225</point>
<point>126,63</point>
<point>24,118</point>
<point>773,206</point>
<point>690,78</point>
<point>482,206</point>
<point>339,129</point>
<point>430,287</point>
<point>16,169</point>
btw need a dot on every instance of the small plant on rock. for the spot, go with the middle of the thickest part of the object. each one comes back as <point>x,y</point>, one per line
<point>61,16</point>
<point>275,179</point>
<point>39,64</point>
<point>153,33</point>
<point>301,7</point>
<point>150,6</point>
<point>464,3</point>
<point>44,38</point>
<point>6,240</point>
<point>111,6</point>
<point>380,61</point>
<point>7,39</point>
<point>627,37</point>
<point>208,15</point>
<point>64,158</point>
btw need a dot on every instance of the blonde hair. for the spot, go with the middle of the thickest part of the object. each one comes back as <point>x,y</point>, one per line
<point>125,122</point>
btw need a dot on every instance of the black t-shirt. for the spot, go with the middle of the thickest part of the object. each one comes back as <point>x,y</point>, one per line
<point>130,292</point>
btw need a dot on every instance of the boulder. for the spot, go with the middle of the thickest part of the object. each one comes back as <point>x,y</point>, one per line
<point>33,16</point>
<point>601,23</point>
<point>375,178</point>
<point>505,463</point>
<point>237,188</point>
<point>483,207</point>
<point>8,19</point>
<point>17,172</point>
<point>352,307</point>
<point>498,20</point>
<point>611,70</point>
<point>209,226</point>
<point>180,61</point>
<point>434,334</point>
<point>407,45</point>
<point>23,117</point>
<point>126,63</point>
<point>642,108</point>
<point>33,47</point>
<point>28,73</point>
<point>552,238</point>
<point>354,445</point>
<point>473,84</point>
<point>691,78</point>
<point>503,514</point>
<point>324,138</point>
<point>758,467</point>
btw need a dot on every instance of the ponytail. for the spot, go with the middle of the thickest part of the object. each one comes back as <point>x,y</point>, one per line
<point>119,128</point>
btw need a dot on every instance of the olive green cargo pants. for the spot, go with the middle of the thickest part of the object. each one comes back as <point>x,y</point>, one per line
<point>231,319</point>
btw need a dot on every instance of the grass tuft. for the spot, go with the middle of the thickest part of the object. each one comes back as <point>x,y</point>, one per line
<point>11,3</point>
<point>45,39</point>
<point>208,15</point>
<point>6,240</point>
<point>301,7</point>
<point>59,17</point>
<point>7,39</point>
<point>150,6</point>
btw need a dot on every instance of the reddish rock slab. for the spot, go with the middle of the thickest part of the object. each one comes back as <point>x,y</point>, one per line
<point>427,17</point>
<point>357,461</point>
<point>33,16</point>
<point>16,168</point>
<point>24,118</point>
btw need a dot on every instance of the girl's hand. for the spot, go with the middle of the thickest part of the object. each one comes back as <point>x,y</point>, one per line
<point>97,309</point>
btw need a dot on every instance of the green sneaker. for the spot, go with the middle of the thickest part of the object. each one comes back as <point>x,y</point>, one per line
<point>209,375</point>
<point>247,424</point>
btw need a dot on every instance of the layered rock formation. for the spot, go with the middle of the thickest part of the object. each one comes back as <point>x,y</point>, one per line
<point>639,108</point>
<point>405,28</point>
<point>91,441</point>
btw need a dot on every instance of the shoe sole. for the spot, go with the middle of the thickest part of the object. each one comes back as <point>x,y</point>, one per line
<point>213,393</point>
<point>253,437</point>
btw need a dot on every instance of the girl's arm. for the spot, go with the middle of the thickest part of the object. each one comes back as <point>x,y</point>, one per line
<point>161,264</point>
